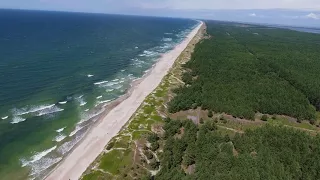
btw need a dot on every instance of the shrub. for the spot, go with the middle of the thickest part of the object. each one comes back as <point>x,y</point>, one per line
<point>264,118</point>
<point>154,146</point>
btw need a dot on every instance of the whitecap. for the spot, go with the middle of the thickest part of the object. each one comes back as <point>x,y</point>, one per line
<point>87,116</point>
<point>102,102</point>
<point>102,82</point>
<point>109,90</point>
<point>86,110</point>
<point>81,100</point>
<point>168,33</point>
<point>115,80</point>
<point>43,164</point>
<point>60,130</point>
<point>37,156</point>
<point>78,128</point>
<point>67,146</point>
<point>90,75</point>
<point>63,102</point>
<point>5,117</point>
<point>167,39</point>
<point>59,138</point>
<point>123,70</point>
<point>17,120</point>
<point>51,110</point>
<point>136,47</point>
<point>99,97</point>
<point>32,109</point>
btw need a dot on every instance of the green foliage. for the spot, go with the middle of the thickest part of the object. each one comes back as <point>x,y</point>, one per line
<point>269,152</point>
<point>210,114</point>
<point>154,146</point>
<point>148,154</point>
<point>110,145</point>
<point>153,137</point>
<point>240,73</point>
<point>264,118</point>
<point>154,165</point>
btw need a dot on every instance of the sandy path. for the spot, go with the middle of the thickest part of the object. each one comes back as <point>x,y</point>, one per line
<point>96,140</point>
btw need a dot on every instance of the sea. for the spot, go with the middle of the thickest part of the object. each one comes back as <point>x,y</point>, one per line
<point>58,70</point>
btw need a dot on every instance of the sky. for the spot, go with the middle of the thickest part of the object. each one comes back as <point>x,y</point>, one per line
<point>289,12</point>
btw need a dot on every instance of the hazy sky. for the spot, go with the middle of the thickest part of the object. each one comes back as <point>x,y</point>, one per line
<point>291,12</point>
<point>118,5</point>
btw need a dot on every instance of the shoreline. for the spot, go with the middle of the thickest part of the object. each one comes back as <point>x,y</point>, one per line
<point>116,115</point>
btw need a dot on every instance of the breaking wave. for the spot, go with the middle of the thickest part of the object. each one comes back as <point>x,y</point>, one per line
<point>17,119</point>
<point>67,146</point>
<point>37,156</point>
<point>102,82</point>
<point>60,130</point>
<point>63,102</point>
<point>59,138</point>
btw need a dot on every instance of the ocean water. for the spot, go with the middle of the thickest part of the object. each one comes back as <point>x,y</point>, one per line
<point>58,69</point>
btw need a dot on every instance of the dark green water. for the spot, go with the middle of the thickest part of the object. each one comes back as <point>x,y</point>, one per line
<point>56,68</point>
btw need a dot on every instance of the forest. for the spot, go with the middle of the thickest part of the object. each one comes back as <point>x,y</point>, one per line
<point>245,69</point>
<point>270,152</point>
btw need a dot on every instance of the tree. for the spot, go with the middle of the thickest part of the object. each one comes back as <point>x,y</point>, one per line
<point>210,114</point>
<point>154,146</point>
<point>148,154</point>
<point>264,118</point>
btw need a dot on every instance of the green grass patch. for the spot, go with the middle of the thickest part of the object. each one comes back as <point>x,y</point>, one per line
<point>97,175</point>
<point>138,134</point>
<point>148,109</point>
<point>115,161</point>
<point>284,121</point>
<point>123,142</point>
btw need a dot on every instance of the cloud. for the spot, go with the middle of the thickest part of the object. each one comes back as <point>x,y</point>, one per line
<point>313,16</point>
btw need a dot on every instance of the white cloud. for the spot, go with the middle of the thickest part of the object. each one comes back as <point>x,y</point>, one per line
<point>313,16</point>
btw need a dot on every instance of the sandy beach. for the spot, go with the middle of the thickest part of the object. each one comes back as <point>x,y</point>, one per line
<point>95,141</point>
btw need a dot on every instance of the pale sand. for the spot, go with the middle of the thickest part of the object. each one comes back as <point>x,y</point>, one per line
<point>96,140</point>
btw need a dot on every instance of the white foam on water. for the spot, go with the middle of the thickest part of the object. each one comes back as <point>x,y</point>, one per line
<point>5,117</point>
<point>102,102</point>
<point>63,102</point>
<point>59,138</point>
<point>109,90</point>
<point>43,164</point>
<point>102,82</point>
<point>167,39</point>
<point>81,100</point>
<point>115,80</point>
<point>168,33</point>
<point>51,110</point>
<point>31,109</point>
<point>67,146</point>
<point>37,156</point>
<point>90,75</point>
<point>123,70</point>
<point>86,117</point>
<point>148,53</point>
<point>17,119</point>
<point>86,110</point>
<point>99,97</point>
<point>78,128</point>
<point>136,47</point>
<point>60,130</point>
<point>83,103</point>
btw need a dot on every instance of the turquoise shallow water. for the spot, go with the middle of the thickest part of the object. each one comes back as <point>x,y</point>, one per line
<point>55,70</point>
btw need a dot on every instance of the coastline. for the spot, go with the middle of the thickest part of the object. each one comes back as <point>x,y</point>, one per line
<point>116,115</point>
